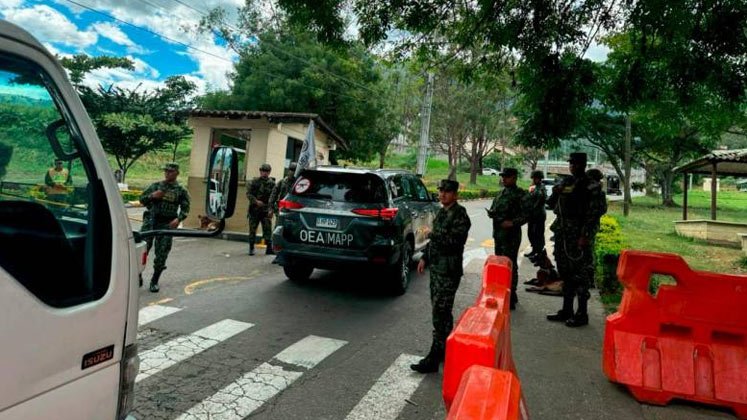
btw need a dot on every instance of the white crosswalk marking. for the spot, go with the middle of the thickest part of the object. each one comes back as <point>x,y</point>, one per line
<point>152,313</point>
<point>253,389</point>
<point>386,399</point>
<point>181,348</point>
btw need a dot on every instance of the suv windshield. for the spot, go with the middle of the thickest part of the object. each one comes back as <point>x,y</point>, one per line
<point>345,187</point>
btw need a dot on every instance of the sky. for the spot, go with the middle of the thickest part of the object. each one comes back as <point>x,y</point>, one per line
<point>66,28</point>
<point>157,35</point>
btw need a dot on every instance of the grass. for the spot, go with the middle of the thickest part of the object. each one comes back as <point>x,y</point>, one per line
<point>650,227</point>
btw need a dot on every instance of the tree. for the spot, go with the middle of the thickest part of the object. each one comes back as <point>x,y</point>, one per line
<point>287,69</point>
<point>80,64</point>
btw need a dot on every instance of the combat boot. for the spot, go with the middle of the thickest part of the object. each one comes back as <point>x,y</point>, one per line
<point>430,363</point>
<point>154,282</point>
<point>269,250</point>
<point>567,312</point>
<point>581,317</point>
<point>251,248</point>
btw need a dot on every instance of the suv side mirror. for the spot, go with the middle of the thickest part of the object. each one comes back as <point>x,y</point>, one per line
<point>220,200</point>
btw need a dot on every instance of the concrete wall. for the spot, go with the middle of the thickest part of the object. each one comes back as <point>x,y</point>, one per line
<point>268,143</point>
<point>712,231</point>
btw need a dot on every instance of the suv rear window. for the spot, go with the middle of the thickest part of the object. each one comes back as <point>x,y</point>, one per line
<point>345,187</point>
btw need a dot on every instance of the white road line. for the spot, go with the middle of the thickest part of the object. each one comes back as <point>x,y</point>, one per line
<point>240,398</point>
<point>386,399</point>
<point>152,313</point>
<point>470,255</point>
<point>182,348</point>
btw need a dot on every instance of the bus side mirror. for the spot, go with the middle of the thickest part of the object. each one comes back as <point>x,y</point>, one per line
<point>222,183</point>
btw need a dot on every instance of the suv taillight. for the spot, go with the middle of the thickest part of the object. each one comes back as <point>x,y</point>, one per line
<point>128,370</point>
<point>289,205</point>
<point>388,213</point>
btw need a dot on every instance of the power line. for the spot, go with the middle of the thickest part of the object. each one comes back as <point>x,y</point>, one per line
<point>203,51</point>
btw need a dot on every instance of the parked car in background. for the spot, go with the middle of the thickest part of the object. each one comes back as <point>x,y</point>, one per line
<point>337,218</point>
<point>490,171</point>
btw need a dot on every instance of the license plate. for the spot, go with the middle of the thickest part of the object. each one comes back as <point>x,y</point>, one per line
<point>326,222</point>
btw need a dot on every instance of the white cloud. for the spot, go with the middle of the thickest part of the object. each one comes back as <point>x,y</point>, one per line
<point>51,26</point>
<point>141,67</point>
<point>597,52</point>
<point>115,34</point>
<point>10,4</point>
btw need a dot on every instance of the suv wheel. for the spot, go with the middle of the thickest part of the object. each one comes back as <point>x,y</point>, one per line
<point>298,271</point>
<point>401,271</point>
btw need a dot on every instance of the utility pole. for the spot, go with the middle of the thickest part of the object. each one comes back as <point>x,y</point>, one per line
<point>425,124</point>
<point>626,184</point>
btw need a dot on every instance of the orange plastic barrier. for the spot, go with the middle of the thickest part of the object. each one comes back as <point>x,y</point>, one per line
<point>488,394</point>
<point>482,334</point>
<point>688,342</point>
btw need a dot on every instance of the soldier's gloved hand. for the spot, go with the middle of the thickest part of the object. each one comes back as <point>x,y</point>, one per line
<point>583,242</point>
<point>507,224</point>
<point>421,266</point>
<point>157,194</point>
<point>174,223</point>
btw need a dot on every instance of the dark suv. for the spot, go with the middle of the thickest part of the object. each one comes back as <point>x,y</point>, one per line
<point>336,218</point>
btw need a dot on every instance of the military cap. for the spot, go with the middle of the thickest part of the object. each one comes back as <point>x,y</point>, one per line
<point>265,167</point>
<point>509,172</point>
<point>171,166</point>
<point>577,157</point>
<point>448,185</point>
<point>537,174</point>
<point>293,166</point>
<point>56,161</point>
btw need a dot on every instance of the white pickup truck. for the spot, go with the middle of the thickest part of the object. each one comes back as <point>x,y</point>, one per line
<point>69,261</point>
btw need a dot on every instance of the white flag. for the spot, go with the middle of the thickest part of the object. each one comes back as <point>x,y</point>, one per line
<point>308,151</point>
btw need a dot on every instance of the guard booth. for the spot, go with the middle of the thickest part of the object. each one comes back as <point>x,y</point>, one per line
<point>272,137</point>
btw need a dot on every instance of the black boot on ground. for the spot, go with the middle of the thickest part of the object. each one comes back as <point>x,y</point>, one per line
<point>154,282</point>
<point>251,249</point>
<point>514,301</point>
<point>430,363</point>
<point>567,312</point>
<point>578,320</point>
<point>269,250</point>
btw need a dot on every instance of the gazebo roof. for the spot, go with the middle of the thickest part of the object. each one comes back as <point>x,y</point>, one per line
<point>728,162</point>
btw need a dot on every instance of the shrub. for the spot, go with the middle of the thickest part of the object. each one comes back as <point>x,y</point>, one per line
<point>638,186</point>
<point>130,195</point>
<point>607,247</point>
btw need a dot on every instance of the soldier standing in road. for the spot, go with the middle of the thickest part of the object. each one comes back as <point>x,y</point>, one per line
<point>168,205</point>
<point>508,212</point>
<point>537,216</point>
<point>444,257</point>
<point>283,187</point>
<point>578,207</point>
<point>260,212</point>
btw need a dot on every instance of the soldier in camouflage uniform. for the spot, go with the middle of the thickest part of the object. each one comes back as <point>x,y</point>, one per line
<point>536,214</point>
<point>444,257</point>
<point>283,187</point>
<point>167,205</point>
<point>508,212</point>
<point>258,193</point>
<point>578,206</point>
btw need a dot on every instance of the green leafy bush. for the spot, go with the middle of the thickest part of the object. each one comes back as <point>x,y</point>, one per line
<point>607,247</point>
<point>472,194</point>
<point>637,186</point>
<point>131,195</point>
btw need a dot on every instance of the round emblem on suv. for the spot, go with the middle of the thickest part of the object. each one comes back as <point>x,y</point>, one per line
<point>302,185</point>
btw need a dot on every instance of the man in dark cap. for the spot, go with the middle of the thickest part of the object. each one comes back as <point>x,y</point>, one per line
<point>536,214</point>
<point>578,211</point>
<point>283,187</point>
<point>508,212</point>
<point>444,257</point>
<point>167,205</point>
<point>258,193</point>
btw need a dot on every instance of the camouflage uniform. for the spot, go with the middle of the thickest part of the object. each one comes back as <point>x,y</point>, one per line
<point>578,204</point>
<point>443,255</point>
<point>174,204</point>
<point>260,189</point>
<point>282,188</point>
<point>509,204</point>
<point>536,217</point>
